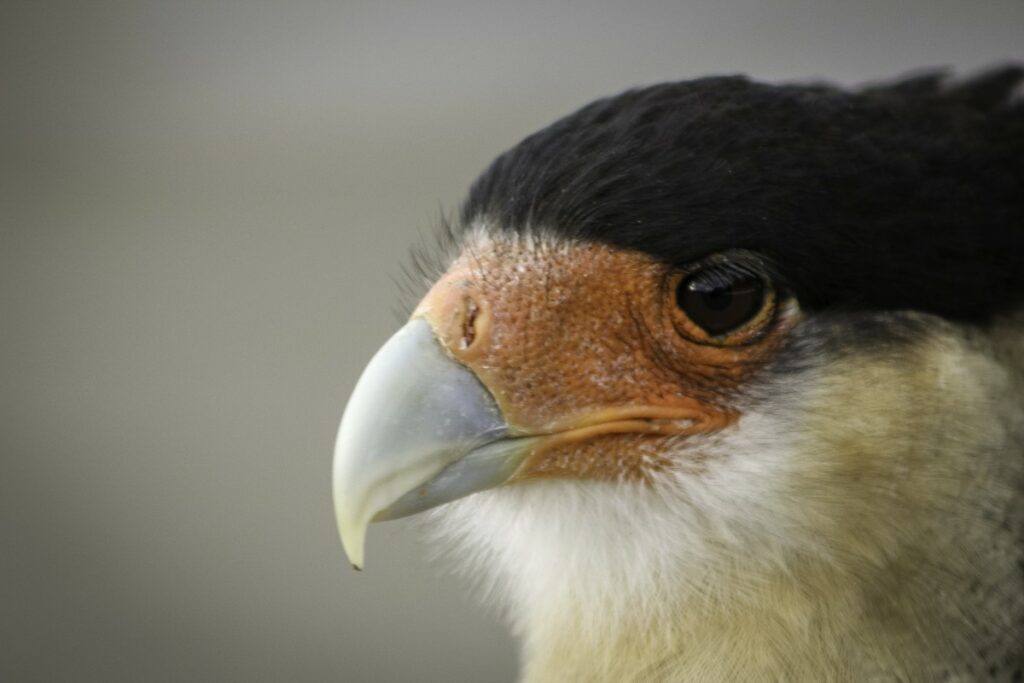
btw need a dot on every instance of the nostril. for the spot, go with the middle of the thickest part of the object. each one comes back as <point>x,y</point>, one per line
<point>471,310</point>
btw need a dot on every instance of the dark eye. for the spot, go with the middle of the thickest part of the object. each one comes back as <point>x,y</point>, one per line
<point>720,301</point>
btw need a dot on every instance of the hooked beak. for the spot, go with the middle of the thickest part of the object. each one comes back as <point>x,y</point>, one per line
<point>420,430</point>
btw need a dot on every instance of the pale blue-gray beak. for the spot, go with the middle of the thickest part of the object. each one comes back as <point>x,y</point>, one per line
<point>420,430</point>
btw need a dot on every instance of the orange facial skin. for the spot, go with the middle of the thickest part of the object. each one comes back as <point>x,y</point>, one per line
<point>585,343</point>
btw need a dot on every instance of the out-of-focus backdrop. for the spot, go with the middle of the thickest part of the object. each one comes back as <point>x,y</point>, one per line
<point>202,207</point>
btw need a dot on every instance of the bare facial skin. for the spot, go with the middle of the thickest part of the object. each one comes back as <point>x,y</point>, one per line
<point>586,343</point>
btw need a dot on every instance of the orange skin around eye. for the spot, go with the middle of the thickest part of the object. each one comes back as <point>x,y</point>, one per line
<point>582,342</point>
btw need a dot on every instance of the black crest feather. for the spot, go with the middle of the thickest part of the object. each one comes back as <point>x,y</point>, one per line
<point>902,195</point>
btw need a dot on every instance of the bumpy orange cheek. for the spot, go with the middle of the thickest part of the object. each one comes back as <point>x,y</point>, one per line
<point>576,341</point>
<point>612,457</point>
<point>606,457</point>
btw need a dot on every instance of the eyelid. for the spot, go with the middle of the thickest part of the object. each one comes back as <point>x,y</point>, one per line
<point>724,268</point>
<point>720,276</point>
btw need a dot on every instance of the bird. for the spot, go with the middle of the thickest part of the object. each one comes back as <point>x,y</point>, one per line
<point>723,380</point>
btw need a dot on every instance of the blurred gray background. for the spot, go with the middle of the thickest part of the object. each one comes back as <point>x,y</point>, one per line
<point>202,207</point>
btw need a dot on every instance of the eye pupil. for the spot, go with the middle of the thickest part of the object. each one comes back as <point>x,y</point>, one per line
<point>721,306</point>
<point>717,299</point>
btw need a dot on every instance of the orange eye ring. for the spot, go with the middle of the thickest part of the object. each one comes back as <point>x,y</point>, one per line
<point>725,300</point>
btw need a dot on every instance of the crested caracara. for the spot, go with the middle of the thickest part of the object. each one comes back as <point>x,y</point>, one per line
<point>724,381</point>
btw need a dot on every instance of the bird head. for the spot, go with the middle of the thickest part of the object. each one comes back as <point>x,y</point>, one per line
<point>717,343</point>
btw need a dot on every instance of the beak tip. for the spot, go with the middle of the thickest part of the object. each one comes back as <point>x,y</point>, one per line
<point>355,556</point>
<point>353,540</point>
